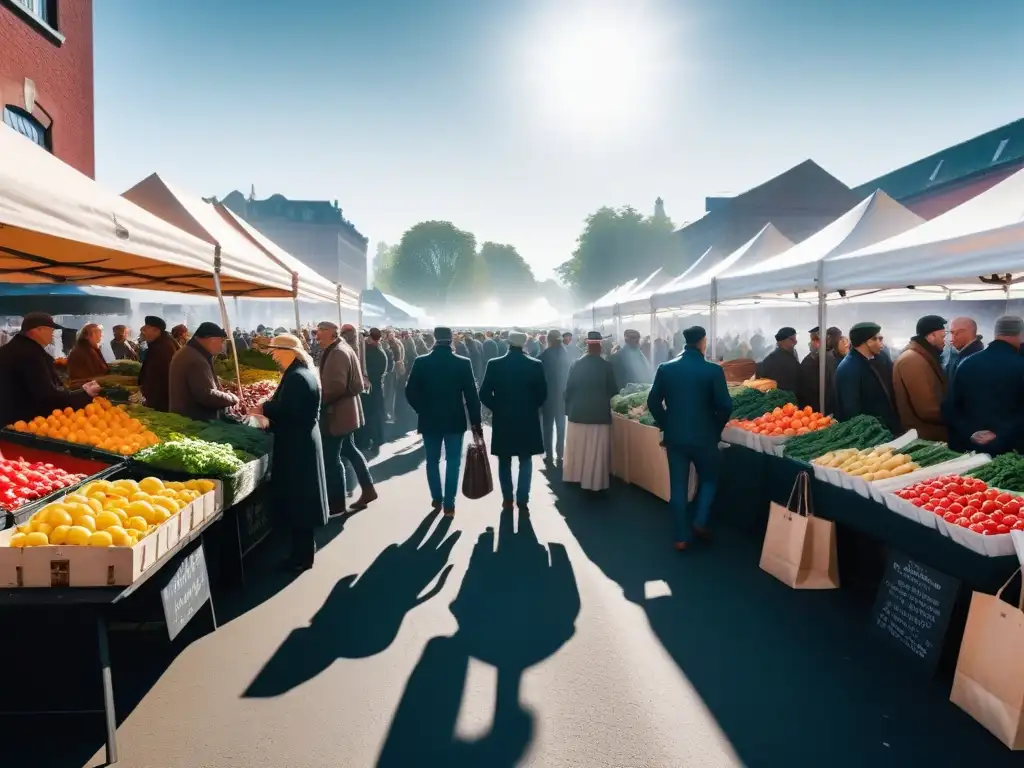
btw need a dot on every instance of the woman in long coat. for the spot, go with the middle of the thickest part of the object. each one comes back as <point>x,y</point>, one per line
<point>298,485</point>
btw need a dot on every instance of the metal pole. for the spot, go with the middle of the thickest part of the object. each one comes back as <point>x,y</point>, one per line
<point>224,320</point>
<point>713,313</point>
<point>822,336</point>
<point>338,299</point>
<point>362,339</point>
<point>295,302</point>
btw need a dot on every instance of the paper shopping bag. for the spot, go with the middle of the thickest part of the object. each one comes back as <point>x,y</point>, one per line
<point>989,680</point>
<point>476,480</point>
<point>800,549</point>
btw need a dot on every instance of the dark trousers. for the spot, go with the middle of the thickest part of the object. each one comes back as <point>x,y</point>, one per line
<point>375,418</point>
<point>303,547</point>
<point>336,448</point>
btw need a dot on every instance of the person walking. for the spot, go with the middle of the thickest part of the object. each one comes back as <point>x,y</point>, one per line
<point>514,390</point>
<point>690,403</point>
<point>555,360</point>
<point>298,486</point>
<point>588,435</point>
<point>442,390</point>
<point>377,368</point>
<point>341,415</point>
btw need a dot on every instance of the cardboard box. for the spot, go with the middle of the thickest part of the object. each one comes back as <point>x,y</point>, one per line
<point>648,461</point>
<point>65,566</point>
<point>620,447</point>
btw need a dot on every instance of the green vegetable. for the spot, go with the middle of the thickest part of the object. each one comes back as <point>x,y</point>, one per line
<point>749,403</point>
<point>125,368</point>
<point>1005,471</point>
<point>247,440</point>
<point>926,453</point>
<point>647,420</point>
<point>632,389</point>
<point>194,457</point>
<point>859,432</point>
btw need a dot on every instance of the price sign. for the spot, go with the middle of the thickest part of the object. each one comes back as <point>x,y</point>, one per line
<point>186,593</point>
<point>913,607</point>
<point>254,524</point>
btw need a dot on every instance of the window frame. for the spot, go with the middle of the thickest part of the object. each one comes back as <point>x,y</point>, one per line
<point>46,22</point>
<point>19,112</point>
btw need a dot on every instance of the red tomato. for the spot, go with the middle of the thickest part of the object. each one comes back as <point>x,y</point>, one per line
<point>957,508</point>
<point>1009,520</point>
<point>963,522</point>
<point>950,517</point>
<point>990,506</point>
<point>1002,498</point>
<point>1018,526</point>
<point>929,507</point>
<point>977,527</point>
<point>992,494</point>
<point>1002,529</point>
<point>945,502</point>
<point>990,526</point>
<point>1012,507</point>
<point>979,517</point>
<point>919,501</point>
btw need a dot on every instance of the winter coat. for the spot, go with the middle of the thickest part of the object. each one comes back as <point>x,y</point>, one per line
<point>514,390</point>
<point>690,401</point>
<point>85,363</point>
<point>298,483</point>
<point>809,381</point>
<point>954,357</point>
<point>631,367</point>
<point>124,350</point>
<point>782,367</point>
<point>987,393</point>
<point>194,389</point>
<point>861,389</point>
<point>919,387</point>
<point>589,391</point>
<point>155,375</point>
<point>555,361</point>
<point>341,410</point>
<point>441,389</point>
<point>29,384</point>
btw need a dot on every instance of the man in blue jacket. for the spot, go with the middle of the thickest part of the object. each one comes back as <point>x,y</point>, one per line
<point>690,403</point>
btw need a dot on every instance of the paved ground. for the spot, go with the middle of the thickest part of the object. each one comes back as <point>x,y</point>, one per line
<point>578,639</point>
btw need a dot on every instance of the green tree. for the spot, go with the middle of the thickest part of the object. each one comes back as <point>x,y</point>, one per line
<point>433,258</point>
<point>616,245</point>
<point>383,265</point>
<point>509,276</point>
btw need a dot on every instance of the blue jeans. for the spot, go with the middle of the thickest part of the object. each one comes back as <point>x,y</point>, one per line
<point>554,432</point>
<point>453,463</point>
<point>505,478</point>
<point>686,515</point>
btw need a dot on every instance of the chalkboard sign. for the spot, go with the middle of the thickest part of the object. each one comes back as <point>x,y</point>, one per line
<point>254,524</point>
<point>187,592</point>
<point>914,606</point>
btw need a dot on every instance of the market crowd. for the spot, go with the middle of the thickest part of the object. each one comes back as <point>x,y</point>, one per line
<point>345,392</point>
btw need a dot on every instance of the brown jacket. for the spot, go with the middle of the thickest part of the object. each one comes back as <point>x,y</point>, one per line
<point>155,375</point>
<point>193,385</point>
<point>85,363</point>
<point>342,381</point>
<point>919,387</point>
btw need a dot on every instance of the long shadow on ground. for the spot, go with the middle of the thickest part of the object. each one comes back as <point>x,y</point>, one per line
<point>792,677</point>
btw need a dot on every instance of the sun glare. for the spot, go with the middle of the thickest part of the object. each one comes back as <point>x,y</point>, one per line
<point>598,68</point>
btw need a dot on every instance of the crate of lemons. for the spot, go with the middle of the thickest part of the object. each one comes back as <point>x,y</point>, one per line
<point>109,513</point>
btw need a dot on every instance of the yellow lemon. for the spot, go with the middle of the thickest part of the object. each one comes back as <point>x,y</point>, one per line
<point>58,517</point>
<point>44,513</point>
<point>175,486</point>
<point>85,521</point>
<point>205,486</point>
<point>59,535</point>
<point>151,485</point>
<point>25,528</point>
<point>140,496</point>
<point>44,528</point>
<point>18,540</point>
<point>95,504</point>
<point>101,539</point>
<point>119,536</point>
<point>160,515</point>
<point>77,509</point>
<point>128,485</point>
<point>36,539</point>
<point>171,505</point>
<point>106,519</point>
<point>115,502</point>
<point>141,509</point>
<point>78,535</point>
<point>137,523</point>
<point>76,498</point>
<point>121,514</point>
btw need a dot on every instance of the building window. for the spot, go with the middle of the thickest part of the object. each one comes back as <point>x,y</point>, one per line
<point>40,9</point>
<point>27,126</point>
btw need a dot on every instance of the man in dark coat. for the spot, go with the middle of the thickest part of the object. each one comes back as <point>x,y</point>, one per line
<point>556,362</point>
<point>572,351</point>
<point>154,377</point>
<point>863,385</point>
<point>629,363</point>
<point>298,484</point>
<point>490,347</point>
<point>984,408</point>
<point>476,356</point>
<point>502,342</point>
<point>194,388</point>
<point>514,390</point>
<point>29,385</point>
<point>964,341</point>
<point>121,347</point>
<point>690,403</point>
<point>377,367</point>
<point>810,379</point>
<point>441,389</point>
<point>781,364</point>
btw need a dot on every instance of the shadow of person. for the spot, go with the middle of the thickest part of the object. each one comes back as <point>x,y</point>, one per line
<point>401,463</point>
<point>362,615</point>
<point>517,606</point>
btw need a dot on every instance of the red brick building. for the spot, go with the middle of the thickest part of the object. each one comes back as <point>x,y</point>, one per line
<point>46,76</point>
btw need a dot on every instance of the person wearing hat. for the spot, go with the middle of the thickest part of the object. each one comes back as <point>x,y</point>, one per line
<point>121,347</point>
<point>514,390</point>
<point>984,408</point>
<point>29,384</point>
<point>154,377</point>
<point>781,365</point>
<point>442,391</point>
<point>809,383</point>
<point>342,383</point>
<point>193,386</point>
<point>690,403</point>
<point>629,363</point>
<point>919,383</point>
<point>864,381</point>
<point>298,486</point>
<point>588,435</point>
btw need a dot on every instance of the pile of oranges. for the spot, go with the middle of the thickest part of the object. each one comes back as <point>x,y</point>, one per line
<point>787,421</point>
<point>100,424</point>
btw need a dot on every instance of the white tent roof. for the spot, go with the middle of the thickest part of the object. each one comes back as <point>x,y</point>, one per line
<point>874,219</point>
<point>311,285</point>
<point>58,225</point>
<point>409,309</point>
<point>982,236</point>
<point>198,218</point>
<point>766,244</point>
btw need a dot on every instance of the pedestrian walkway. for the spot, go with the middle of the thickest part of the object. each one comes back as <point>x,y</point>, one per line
<point>576,638</point>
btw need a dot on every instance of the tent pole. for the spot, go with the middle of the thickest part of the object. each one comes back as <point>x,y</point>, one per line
<point>338,300</point>
<point>822,337</point>
<point>295,302</point>
<point>224,320</point>
<point>713,312</point>
<point>362,339</point>
<point>654,325</point>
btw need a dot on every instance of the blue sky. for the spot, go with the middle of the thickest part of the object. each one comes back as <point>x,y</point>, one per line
<point>516,119</point>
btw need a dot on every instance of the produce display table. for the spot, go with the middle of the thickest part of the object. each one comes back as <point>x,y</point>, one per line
<point>97,602</point>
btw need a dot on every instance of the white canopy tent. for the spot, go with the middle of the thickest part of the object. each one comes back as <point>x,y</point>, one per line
<point>59,226</point>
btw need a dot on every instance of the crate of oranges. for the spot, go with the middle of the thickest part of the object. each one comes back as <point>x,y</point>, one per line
<point>101,425</point>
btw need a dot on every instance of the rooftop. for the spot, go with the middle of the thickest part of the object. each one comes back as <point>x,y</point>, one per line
<point>998,148</point>
<point>279,206</point>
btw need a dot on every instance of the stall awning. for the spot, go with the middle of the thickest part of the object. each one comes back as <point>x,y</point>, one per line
<point>311,285</point>
<point>59,226</point>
